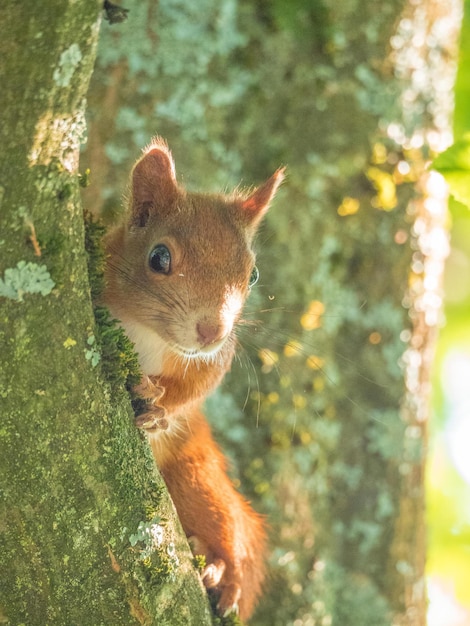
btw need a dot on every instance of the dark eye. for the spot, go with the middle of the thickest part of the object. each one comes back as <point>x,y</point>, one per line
<point>253,277</point>
<point>160,259</point>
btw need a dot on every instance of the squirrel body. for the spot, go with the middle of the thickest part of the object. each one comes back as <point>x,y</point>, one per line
<point>178,272</point>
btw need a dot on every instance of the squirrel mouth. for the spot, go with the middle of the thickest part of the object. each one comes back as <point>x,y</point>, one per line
<point>203,352</point>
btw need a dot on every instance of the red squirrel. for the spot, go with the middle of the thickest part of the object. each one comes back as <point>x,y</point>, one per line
<point>179,268</point>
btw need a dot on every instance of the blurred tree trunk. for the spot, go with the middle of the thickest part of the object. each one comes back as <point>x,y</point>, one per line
<point>354,97</point>
<point>76,476</point>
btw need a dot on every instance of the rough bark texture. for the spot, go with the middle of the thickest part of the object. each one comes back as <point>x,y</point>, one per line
<point>76,476</point>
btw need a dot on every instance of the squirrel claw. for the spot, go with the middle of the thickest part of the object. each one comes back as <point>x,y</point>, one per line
<point>231,609</point>
<point>153,420</point>
<point>229,598</point>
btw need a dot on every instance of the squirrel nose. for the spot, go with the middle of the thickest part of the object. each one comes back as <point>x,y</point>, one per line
<point>210,333</point>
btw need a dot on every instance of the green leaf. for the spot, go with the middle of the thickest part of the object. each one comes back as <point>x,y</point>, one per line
<point>454,165</point>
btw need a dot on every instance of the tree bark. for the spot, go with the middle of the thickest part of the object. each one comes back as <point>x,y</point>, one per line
<point>88,534</point>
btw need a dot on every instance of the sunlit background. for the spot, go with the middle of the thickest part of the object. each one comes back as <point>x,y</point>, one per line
<point>448,480</point>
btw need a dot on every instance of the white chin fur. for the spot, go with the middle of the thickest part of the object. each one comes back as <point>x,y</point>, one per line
<point>151,349</point>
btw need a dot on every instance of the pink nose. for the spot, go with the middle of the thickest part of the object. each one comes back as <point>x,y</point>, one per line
<point>209,333</point>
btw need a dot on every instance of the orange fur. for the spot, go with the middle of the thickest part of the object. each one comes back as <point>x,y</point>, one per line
<point>211,510</point>
<point>177,277</point>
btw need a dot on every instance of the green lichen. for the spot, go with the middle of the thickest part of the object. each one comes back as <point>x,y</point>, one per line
<point>26,278</point>
<point>157,556</point>
<point>92,354</point>
<point>150,533</point>
<point>68,63</point>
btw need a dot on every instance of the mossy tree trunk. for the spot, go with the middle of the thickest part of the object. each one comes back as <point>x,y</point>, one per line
<point>76,476</point>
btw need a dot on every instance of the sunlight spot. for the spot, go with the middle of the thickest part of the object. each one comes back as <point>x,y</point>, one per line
<point>286,558</point>
<point>296,589</point>
<point>262,488</point>
<point>293,348</point>
<point>401,237</point>
<point>396,132</point>
<point>319,566</point>
<point>299,401</point>
<point>379,153</point>
<point>405,335</point>
<point>269,360</point>
<point>436,185</point>
<point>315,362</point>
<point>273,397</point>
<point>444,609</point>
<point>311,319</point>
<point>349,206</point>
<point>305,437</point>
<point>403,167</point>
<point>384,184</point>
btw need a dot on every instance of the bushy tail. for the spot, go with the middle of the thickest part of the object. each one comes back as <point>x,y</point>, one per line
<point>221,524</point>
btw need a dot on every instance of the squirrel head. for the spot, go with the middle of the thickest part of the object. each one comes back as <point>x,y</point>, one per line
<point>181,264</point>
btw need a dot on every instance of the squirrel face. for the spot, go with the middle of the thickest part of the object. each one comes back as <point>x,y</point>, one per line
<point>181,265</point>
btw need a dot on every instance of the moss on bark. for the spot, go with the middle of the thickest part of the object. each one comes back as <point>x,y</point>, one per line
<point>76,476</point>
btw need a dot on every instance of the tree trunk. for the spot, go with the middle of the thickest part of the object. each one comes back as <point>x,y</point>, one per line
<point>77,477</point>
<point>332,444</point>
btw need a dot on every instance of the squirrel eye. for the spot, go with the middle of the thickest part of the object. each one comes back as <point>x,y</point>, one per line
<point>160,259</point>
<point>253,277</point>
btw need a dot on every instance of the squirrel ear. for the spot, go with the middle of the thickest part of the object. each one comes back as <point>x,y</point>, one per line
<point>256,205</point>
<point>153,182</point>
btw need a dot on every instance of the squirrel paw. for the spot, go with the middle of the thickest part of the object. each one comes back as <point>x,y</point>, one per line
<point>154,416</point>
<point>148,390</point>
<point>212,577</point>
<point>152,420</point>
<point>212,573</point>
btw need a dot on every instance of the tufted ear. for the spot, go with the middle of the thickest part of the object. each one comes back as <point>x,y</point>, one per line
<point>153,183</point>
<point>256,205</point>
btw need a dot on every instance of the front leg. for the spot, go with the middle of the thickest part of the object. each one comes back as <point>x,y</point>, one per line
<point>154,416</point>
<point>182,386</point>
